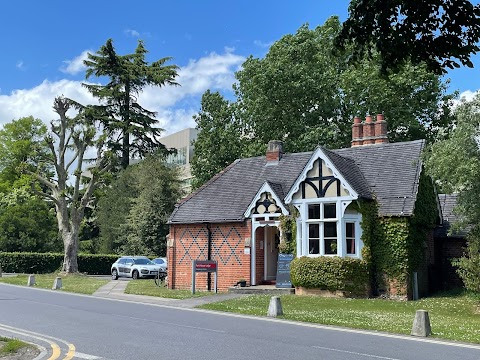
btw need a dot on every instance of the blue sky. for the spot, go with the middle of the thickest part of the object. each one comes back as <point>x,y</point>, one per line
<point>44,42</point>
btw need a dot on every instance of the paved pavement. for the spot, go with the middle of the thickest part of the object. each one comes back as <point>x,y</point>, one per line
<point>115,289</point>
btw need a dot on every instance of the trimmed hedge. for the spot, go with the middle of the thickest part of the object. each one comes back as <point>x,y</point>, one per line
<point>331,273</point>
<point>44,263</point>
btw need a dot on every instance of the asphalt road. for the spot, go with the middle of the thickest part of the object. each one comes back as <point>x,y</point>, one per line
<point>92,328</point>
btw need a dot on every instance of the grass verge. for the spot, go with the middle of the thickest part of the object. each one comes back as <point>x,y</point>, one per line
<point>10,346</point>
<point>71,283</point>
<point>148,287</point>
<point>453,317</point>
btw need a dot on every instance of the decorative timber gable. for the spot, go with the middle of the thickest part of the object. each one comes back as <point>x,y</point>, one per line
<point>320,179</point>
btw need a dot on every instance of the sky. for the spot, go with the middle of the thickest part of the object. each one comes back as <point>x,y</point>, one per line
<point>44,43</point>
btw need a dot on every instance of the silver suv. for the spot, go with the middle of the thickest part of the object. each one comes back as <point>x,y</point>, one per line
<point>135,267</point>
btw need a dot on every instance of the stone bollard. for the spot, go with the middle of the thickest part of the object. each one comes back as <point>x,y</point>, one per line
<point>31,280</point>
<point>57,283</point>
<point>275,307</point>
<point>421,324</point>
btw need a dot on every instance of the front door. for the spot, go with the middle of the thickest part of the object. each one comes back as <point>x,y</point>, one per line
<point>272,240</point>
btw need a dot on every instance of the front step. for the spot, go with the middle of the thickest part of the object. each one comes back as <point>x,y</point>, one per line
<point>261,290</point>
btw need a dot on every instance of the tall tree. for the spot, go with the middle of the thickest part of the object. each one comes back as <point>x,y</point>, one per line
<point>133,213</point>
<point>132,127</point>
<point>436,32</point>
<point>304,93</point>
<point>21,145</point>
<point>219,140</point>
<point>455,163</point>
<point>68,143</point>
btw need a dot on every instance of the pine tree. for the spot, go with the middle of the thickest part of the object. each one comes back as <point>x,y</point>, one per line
<point>131,127</point>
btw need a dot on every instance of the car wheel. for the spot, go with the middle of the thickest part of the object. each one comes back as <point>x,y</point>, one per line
<point>114,274</point>
<point>135,275</point>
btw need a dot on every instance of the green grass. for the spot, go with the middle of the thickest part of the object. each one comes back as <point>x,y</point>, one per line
<point>10,346</point>
<point>453,317</point>
<point>148,287</point>
<point>71,283</point>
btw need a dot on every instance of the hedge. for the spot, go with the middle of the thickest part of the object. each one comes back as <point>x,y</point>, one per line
<point>331,273</point>
<point>44,263</point>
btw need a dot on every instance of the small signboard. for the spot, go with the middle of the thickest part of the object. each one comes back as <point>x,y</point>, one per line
<point>283,271</point>
<point>205,266</point>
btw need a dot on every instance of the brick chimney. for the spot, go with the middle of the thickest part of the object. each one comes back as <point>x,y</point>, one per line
<point>368,131</point>
<point>381,130</point>
<point>274,150</point>
<point>357,132</point>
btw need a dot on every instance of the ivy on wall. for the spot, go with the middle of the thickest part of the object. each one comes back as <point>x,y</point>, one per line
<point>288,227</point>
<point>394,246</point>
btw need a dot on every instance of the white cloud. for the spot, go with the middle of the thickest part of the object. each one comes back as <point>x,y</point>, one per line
<point>131,32</point>
<point>76,65</point>
<point>38,101</point>
<point>468,95</point>
<point>175,105</point>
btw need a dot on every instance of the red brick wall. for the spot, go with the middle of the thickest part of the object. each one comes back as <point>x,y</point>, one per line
<point>190,242</point>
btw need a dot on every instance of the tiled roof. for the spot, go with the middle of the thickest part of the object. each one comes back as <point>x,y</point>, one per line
<point>226,197</point>
<point>388,172</point>
<point>447,204</point>
<point>392,172</point>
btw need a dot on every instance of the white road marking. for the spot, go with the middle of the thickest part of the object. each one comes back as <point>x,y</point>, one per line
<point>86,356</point>
<point>355,353</point>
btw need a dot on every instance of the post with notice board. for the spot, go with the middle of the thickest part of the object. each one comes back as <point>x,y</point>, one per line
<point>206,266</point>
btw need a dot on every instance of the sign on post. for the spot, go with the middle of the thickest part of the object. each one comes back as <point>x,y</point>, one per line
<point>204,266</point>
<point>283,271</point>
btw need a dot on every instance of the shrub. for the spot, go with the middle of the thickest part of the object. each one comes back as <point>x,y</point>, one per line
<point>44,263</point>
<point>331,273</point>
<point>468,266</point>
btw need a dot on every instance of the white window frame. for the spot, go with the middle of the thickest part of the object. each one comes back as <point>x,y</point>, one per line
<point>356,219</point>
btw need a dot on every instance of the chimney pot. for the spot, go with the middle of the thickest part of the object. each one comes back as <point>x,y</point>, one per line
<point>357,132</point>
<point>368,131</point>
<point>381,130</point>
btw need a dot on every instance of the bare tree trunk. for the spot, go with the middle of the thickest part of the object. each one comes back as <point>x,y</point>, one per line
<point>70,243</point>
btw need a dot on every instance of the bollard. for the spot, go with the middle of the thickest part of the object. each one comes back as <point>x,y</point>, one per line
<point>421,324</point>
<point>0,270</point>
<point>275,307</point>
<point>57,283</point>
<point>31,280</point>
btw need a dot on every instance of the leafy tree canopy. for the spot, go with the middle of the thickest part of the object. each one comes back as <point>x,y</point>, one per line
<point>455,161</point>
<point>440,33</point>
<point>134,212</point>
<point>219,131</point>
<point>131,128</point>
<point>306,94</point>
<point>21,145</point>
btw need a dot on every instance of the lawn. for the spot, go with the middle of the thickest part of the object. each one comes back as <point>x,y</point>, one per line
<point>148,287</point>
<point>11,346</point>
<point>453,317</point>
<point>71,283</point>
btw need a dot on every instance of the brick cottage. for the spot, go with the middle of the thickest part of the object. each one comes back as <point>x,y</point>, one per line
<point>235,217</point>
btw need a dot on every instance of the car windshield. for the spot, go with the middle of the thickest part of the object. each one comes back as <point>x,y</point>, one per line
<point>143,262</point>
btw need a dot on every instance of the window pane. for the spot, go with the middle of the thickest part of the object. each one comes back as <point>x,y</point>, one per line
<point>329,211</point>
<point>350,230</point>
<point>314,211</point>
<point>350,246</point>
<point>314,231</point>
<point>330,230</point>
<point>330,246</point>
<point>314,246</point>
